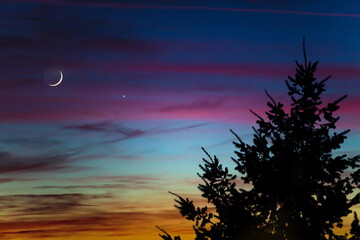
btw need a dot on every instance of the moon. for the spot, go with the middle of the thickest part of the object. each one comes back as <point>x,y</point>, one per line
<point>61,78</point>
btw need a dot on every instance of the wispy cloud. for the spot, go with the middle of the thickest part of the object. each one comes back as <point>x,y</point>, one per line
<point>122,182</point>
<point>175,129</point>
<point>10,163</point>
<point>114,129</point>
<point>39,142</point>
<point>109,127</point>
<point>58,215</point>
<point>17,179</point>
<point>105,223</point>
<point>45,204</point>
<point>103,186</point>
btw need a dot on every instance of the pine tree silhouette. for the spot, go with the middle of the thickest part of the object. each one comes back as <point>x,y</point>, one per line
<point>298,189</point>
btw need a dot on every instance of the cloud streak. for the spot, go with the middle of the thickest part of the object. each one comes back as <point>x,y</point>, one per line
<point>45,204</point>
<point>114,129</point>
<point>202,105</point>
<point>123,182</point>
<point>10,163</point>
<point>58,215</point>
<point>104,223</point>
<point>195,8</point>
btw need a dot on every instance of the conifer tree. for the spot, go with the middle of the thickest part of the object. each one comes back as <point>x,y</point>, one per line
<point>298,187</point>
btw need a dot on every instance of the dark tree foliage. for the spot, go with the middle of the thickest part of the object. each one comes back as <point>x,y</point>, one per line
<point>298,189</point>
<point>355,228</point>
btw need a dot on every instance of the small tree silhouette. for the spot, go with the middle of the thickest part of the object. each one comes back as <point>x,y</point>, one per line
<point>298,189</point>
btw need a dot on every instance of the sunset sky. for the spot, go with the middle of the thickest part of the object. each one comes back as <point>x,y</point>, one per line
<point>145,85</point>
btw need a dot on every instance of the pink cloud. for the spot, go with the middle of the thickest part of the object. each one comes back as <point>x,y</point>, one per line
<point>101,102</point>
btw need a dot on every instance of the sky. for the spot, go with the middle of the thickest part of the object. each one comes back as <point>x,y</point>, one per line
<point>145,85</point>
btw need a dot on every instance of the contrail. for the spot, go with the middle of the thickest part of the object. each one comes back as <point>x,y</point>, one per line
<point>229,9</point>
<point>205,8</point>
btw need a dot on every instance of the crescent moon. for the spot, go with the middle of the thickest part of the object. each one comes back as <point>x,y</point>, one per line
<point>61,78</point>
